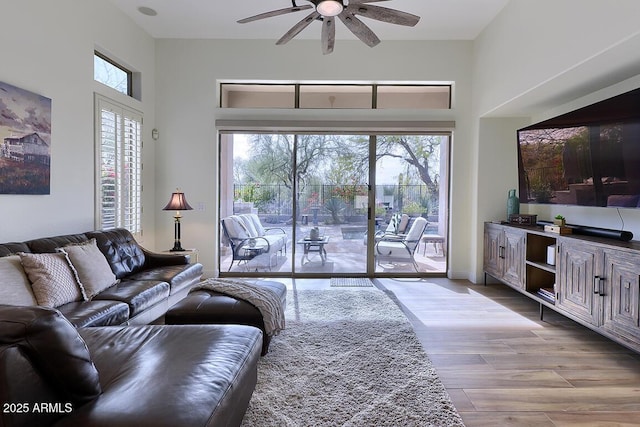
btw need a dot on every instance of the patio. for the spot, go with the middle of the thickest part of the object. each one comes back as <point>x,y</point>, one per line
<point>346,253</point>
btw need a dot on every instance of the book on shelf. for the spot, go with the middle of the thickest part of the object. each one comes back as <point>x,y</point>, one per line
<point>547,293</point>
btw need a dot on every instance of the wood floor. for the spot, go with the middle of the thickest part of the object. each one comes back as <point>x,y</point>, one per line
<point>502,366</point>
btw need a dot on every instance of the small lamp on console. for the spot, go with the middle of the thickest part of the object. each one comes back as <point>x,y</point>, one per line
<point>177,203</point>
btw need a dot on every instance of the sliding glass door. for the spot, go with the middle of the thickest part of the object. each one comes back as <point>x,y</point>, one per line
<point>411,203</point>
<point>332,174</point>
<point>256,203</point>
<point>306,204</point>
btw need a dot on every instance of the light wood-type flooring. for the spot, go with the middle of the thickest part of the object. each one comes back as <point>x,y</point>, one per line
<point>503,366</point>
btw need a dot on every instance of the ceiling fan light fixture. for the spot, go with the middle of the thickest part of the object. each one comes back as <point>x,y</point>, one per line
<point>329,8</point>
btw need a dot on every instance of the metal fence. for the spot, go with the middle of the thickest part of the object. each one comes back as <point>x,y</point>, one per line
<point>337,202</point>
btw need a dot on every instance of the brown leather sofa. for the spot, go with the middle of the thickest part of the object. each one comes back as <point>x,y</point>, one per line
<point>52,374</point>
<point>149,283</point>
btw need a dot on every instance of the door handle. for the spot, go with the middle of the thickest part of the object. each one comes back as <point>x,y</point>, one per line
<point>597,285</point>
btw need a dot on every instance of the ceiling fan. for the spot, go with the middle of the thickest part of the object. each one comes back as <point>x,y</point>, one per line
<point>347,11</point>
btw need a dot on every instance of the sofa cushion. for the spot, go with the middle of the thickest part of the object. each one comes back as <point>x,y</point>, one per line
<point>94,272</point>
<point>138,295</point>
<point>54,347</point>
<point>16,288</point>
<point>170,376</point>
<point>12,248</point>
<point>178,276</point>
<point>121,250</point>
<point>95,313</point>
<point>53,281</point>
<point>20,381</point>
<point>236,228</point>
<point>257,224</point>
<point>248,224</point>
<point>50,244</point>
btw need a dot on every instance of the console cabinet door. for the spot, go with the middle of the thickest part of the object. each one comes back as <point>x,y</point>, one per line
<point>515,244</point>
<point>621,298</point>
<point>493,250</point>
<point>575,276</point>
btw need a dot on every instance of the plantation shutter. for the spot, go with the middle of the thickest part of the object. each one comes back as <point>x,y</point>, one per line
<point>119,167</point>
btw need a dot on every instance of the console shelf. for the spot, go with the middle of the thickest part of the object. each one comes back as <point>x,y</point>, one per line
<point>543,266</point>
<point>594,281</point>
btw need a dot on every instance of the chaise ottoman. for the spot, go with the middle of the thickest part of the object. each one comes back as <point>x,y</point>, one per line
<point>205,306</point>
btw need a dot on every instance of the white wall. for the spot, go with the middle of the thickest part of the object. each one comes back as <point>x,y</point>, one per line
<point>531,44</point>
<point>47,48</point>
<point>187,71</point>
<point>537,60</point>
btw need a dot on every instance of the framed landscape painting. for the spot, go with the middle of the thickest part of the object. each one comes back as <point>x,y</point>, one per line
<point>25,141</point>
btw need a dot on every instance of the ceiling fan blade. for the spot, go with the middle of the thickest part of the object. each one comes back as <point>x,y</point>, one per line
<point>328,34</point>
<point>364,1</point>
<point>360,30</point>
<point>295,30</point>
<point>384,14</point>
<point>275,13</point>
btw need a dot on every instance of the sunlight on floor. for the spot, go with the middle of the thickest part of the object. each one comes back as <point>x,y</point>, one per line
<point>474,310</point>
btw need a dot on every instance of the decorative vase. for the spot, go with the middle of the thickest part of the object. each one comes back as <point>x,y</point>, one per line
<point>513,204</point>
<point>314,234</point>
<point>561,222</point>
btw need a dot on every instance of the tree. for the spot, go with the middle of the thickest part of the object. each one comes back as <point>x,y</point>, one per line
<point>271,160</point>
<point>420,151</point>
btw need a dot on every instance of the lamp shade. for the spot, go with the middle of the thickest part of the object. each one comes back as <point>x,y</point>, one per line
<point>177,203</point>
<point>329,8</point>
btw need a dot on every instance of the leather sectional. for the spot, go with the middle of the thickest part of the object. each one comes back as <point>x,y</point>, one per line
<point>97,361</point>
<point>52,374</point>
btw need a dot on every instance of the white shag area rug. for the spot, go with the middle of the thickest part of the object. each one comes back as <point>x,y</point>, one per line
<point>348,357</point>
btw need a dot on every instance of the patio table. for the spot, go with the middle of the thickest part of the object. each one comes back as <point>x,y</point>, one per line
<point>311,246</point>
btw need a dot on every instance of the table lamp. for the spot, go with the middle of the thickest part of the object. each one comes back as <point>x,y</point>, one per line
<point>177,203</point>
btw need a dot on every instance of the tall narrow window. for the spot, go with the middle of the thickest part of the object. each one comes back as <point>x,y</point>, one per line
<point>119,166</point>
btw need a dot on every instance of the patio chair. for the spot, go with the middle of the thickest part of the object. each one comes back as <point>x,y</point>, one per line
<point>397,227</point>
<point>249,239</point>
<point>395,248</point>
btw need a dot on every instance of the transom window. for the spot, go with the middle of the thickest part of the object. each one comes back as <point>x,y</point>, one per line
<point>108,72</point>
<point>335,96</point>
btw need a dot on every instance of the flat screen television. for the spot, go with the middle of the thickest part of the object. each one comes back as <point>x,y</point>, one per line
<point>588,157</point>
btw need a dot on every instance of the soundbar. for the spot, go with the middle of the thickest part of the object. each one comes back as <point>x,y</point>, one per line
<point>606,233</point>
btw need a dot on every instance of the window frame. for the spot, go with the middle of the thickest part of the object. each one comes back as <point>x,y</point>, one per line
<point>129,73</point>
<point>224,87</point>
<point>128,204</point>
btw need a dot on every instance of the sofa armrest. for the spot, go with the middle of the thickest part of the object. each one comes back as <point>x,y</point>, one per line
<point>54,347</point>
<point>155,259</point>
<point>259,242</point>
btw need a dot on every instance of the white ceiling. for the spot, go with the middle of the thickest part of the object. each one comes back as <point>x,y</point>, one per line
<point>216,19</point>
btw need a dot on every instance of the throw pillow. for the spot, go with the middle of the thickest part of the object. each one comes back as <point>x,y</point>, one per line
<point>16,288</point>
<point>52,278</point>
<point>55,348</point>
<point>94,271</point>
